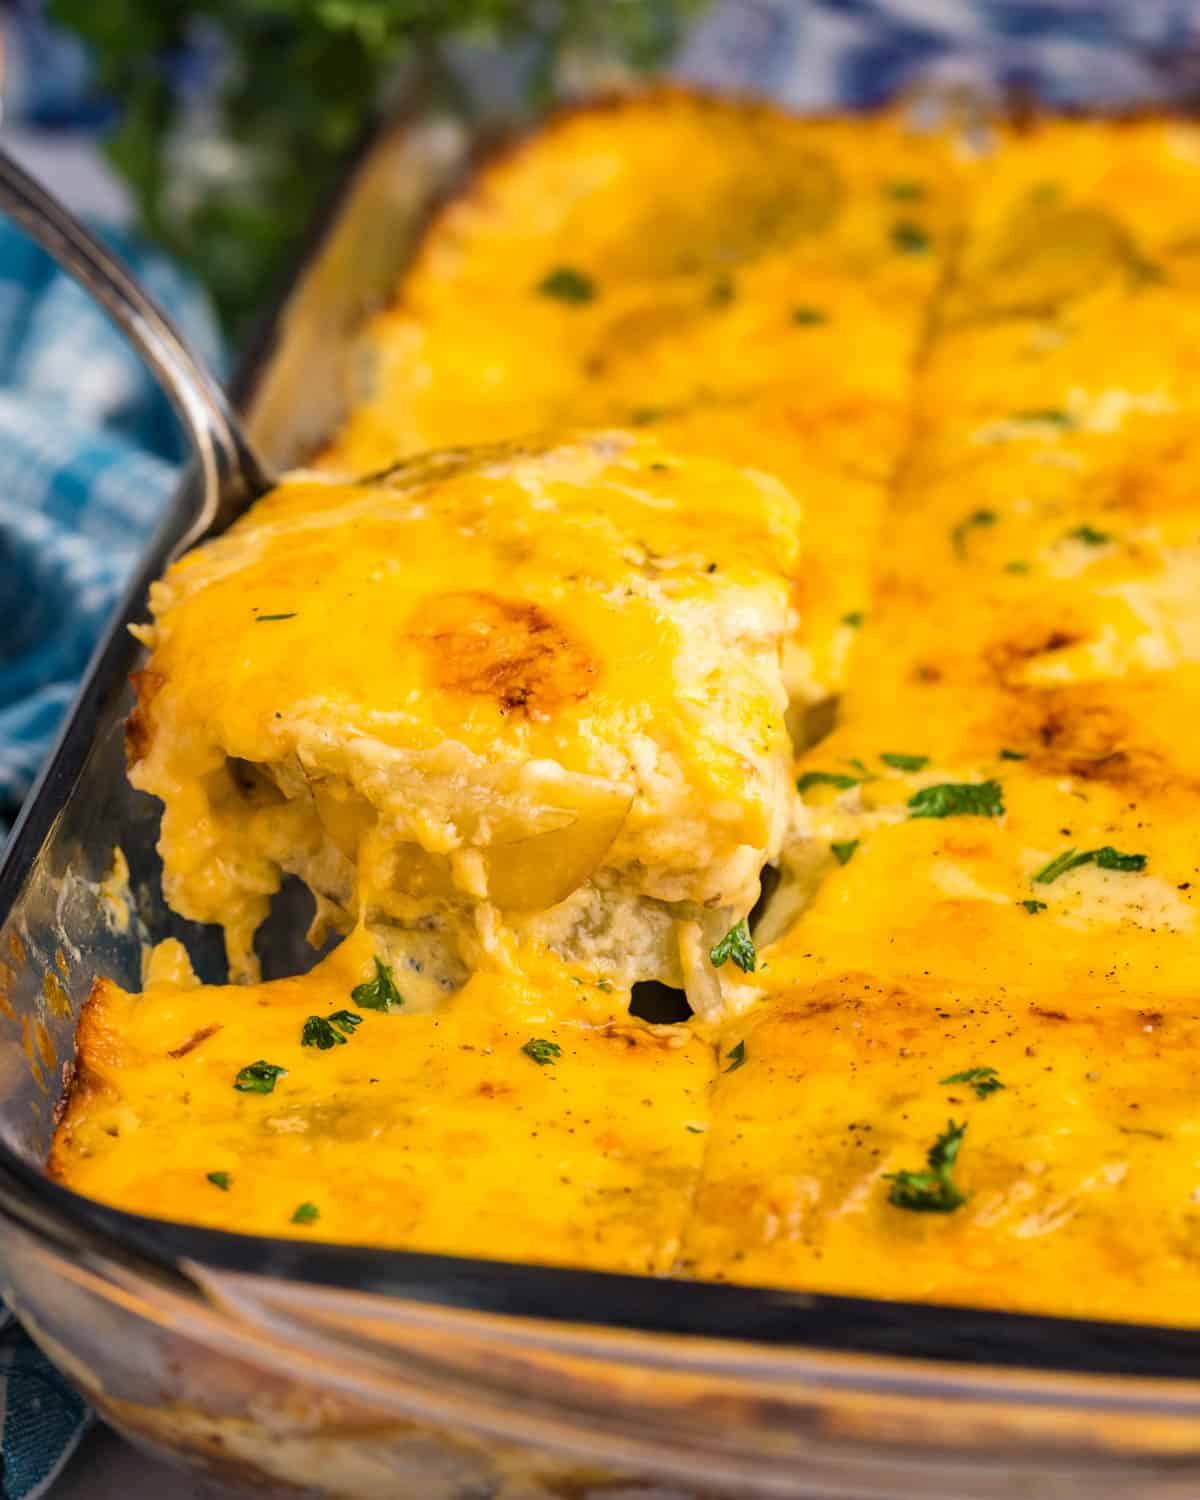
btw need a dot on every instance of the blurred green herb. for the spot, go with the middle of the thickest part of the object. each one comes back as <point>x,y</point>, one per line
<point>567,285</point>
<point>229,181</point>
<point>542,1052</point>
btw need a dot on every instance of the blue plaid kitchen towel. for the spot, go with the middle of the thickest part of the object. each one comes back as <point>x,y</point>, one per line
<point>89,452</point>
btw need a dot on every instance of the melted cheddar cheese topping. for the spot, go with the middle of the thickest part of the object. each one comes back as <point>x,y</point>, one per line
<point>931,407</point>
<point>545,683</point>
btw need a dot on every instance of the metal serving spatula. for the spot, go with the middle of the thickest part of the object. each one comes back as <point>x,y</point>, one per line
<point>233,475</point>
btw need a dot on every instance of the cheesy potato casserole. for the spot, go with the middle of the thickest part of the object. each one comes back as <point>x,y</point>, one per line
<point>763,559</point>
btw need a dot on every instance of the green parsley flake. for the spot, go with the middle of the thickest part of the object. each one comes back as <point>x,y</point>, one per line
<point>844,852</point>
<point>738,1056</point>
<point>1016,566</point>
<point>1033,907</point>
<point>694,1129</point>
<point>984,1081</point>
<point>808,317</point>
<point>958,799</point>
<point>262,619</point>
<point>220,1180</point>
<point>738,946</point>
<point>542,1052</point>
<point>306,1213</point>
<point>827,778</point>
<point>1107,858</point>
<point>259,1078</point>
<point>1089,535</point>
<point>1013,755</point>
<point>319,1032</point>
<point>643,416</point>
<point>904,762</point>
<point>910,238</point>
<point>977,518</point>
<point>853,618</point>
<point>932,1191</point>
<point>379,993</point>
<point>568,285</point>
<point>722,292</point>
<point>905,191</point>
<point>1050,416</point>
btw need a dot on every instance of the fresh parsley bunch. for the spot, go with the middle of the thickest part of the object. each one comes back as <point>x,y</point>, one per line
<point>234,117</point>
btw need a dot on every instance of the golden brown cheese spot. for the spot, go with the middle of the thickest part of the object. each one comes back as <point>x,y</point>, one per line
<point>510,651</point>
<point>192,1042</point>
<point>138,727</point>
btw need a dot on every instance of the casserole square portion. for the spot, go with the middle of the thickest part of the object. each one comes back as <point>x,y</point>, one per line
<point>529,1118</point>
<point>518,690</point>
<point>1063,1140</point>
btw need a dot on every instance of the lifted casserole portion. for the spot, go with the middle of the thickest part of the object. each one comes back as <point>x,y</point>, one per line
<point>527,690</point>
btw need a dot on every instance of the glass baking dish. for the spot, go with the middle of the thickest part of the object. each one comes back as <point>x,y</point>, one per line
<point>305,1368</point>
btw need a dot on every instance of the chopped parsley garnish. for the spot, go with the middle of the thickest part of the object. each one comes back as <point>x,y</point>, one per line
<point>738,1058</point>
<point>1016,566</point>
<point>220,1180</point>
<point>1107,858</point>
<point>306,1213</point>
<point>568,285</point>
<point>977,518</point>
<point>904,762</point>
<point>1070,859</point>
<point>809,317</point>
<point>1013,755</point>
<point>694,1129</point>
<point>910,238</point>
<point>932,1191</point>
<point>737,946</point>
<point>905,190</point>
<point>379,993</point>
<point>318,1031</point>
<point>838,779</point>
<point>958,799</point>
<point>542,1052</point>
<point>984,1081</point>
<point>259,1077</point>
<point>853,618</point>
<point>1089,535</point>
<point>1033,907</point>
<point>262,619</point>
<point>642,416</point>
<point>1052,416</point>
<point>722,292</point>
<point>844,852</point>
